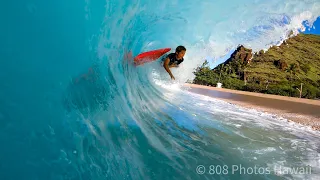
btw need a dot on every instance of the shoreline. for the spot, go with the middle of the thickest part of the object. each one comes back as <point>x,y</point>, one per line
<point>302,111</point>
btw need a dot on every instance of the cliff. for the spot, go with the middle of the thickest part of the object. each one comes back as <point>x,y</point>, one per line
<point>281,70</point>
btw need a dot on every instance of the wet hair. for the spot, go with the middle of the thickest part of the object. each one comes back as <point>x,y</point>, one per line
<point>180,48</point>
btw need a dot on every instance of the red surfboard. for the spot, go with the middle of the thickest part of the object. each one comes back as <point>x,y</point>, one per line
<point>150,56</point>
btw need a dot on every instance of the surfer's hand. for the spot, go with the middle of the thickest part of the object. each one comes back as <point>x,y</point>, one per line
<point>172,77</point>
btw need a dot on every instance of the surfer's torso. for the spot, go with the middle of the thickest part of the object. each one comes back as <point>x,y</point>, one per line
<point>173,59</point>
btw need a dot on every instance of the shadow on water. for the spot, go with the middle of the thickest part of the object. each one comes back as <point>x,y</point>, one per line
<point>87,93</point>
<point>93,90</point>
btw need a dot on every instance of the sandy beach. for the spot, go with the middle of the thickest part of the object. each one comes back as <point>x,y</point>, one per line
<point>302,111</point>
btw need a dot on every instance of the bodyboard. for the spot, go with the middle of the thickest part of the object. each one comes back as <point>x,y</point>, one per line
<point>150,56</point>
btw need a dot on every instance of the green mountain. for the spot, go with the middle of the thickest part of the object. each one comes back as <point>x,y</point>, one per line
<point>282,70</point>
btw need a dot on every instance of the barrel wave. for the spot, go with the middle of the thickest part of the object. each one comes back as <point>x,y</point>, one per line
<point>73,105</point>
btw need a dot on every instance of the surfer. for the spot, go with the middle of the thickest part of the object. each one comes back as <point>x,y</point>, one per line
<point>174,59</point>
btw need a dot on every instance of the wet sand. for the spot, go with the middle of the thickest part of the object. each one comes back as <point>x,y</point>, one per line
<point>302,111</point>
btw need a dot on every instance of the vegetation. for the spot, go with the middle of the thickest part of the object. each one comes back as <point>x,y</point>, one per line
<point>281,70</point>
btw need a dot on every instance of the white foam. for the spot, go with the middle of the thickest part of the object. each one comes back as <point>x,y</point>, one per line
<point>233,114</point>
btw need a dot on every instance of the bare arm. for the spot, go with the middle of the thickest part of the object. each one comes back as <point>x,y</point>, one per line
<point>166,67</point>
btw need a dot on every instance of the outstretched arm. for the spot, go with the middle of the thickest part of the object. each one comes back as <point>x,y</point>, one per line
<point>166,67</point>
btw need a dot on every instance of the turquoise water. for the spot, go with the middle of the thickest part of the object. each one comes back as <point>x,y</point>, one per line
<point>72,107</point>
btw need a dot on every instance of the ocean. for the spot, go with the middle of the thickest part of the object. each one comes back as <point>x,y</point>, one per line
<point>73,107</point>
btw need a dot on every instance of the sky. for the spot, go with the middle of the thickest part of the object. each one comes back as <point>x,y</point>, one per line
<point>314,30</point>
